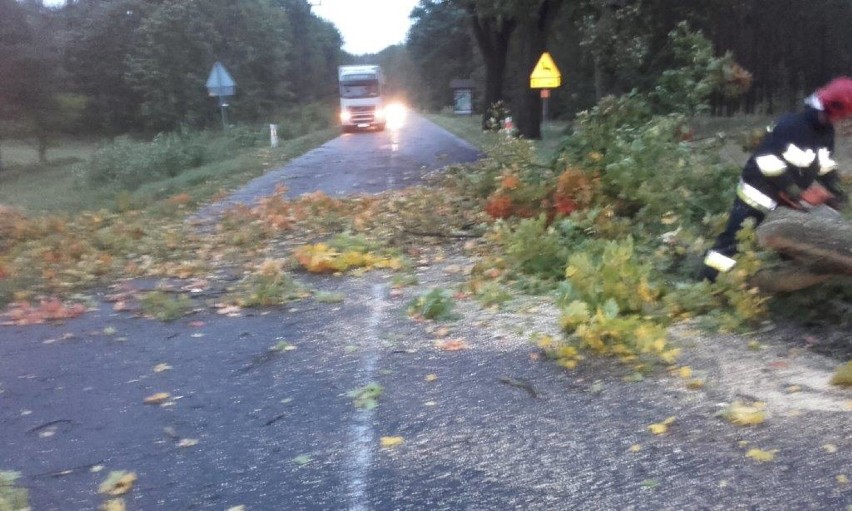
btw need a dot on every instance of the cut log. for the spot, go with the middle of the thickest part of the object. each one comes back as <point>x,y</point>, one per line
<point>819,240</point>
<point>787,278</point>
<point>818,244</point>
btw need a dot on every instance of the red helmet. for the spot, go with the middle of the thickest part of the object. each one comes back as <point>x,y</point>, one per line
<point>836,98</point>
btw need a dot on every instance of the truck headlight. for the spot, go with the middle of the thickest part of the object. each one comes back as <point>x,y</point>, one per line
<point>395,113</point>
<point>345,116</point>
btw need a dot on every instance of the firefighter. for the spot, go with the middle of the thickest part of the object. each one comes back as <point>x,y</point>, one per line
<point>792,167</point>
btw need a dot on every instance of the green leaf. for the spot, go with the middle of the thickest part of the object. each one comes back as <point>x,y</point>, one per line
<point>577,311</point>
<point>611,309</point>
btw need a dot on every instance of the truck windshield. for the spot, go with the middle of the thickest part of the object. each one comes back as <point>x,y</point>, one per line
<point>359,88</point>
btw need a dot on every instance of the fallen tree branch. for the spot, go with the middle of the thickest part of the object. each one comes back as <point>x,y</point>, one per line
<point>441,234</point>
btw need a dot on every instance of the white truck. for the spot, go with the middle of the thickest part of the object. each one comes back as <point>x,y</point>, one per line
<point>361,97</point>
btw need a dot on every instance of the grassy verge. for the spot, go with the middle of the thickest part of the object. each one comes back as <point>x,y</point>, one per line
<point>20,153</point>
<point>208,181</point>
<point>468,128</point>
<point>54,188</point>
<point>27,184</point>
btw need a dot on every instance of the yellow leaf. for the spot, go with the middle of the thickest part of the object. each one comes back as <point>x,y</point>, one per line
<point>113,505</point>
<point>669,356</point>
<point>389,442</point>
<point>661,427</point>
<point>830,448</point>
<point>567,363</point>
<point>842,479</point>
<point>744,415</point>
<point>685,372</point>
<point>761,456</point>
<point>695,384</point>
<point>156,399</point>
<point>118,482</point>
<point>159,368</point>
<point>431,377</point>
<point>635,448</point>
<point>843,375</point>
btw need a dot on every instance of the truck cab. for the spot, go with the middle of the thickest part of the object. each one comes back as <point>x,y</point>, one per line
<point>361,97</point>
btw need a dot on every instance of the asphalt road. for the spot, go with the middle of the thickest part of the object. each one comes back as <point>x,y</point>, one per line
<point>488,427</point>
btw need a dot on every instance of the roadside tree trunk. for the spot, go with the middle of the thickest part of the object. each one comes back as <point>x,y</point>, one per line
<point>492,36</point>
<point>533,33</point>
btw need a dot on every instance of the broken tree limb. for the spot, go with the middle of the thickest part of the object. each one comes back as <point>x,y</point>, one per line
<point>787,278</point>
<point>819,240</point>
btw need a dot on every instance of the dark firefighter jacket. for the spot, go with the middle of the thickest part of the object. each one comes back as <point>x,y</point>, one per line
<point>795,154</point>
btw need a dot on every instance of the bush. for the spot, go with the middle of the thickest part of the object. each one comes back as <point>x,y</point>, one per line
<point>126,164</point>
<point>245,136</point>
<point>304,119</point>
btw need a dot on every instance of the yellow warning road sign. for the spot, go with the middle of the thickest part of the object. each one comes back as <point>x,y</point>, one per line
<point>545,75</point>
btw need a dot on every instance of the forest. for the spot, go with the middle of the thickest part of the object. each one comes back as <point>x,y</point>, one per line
<point>112,67</point>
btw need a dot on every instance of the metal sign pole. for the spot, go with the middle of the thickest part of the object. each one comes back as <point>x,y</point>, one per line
<point>222,108</point>
<point>545,95</point>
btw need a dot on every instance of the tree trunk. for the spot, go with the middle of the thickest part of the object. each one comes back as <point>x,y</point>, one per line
<point>818,244</point>
<point>492,37</point>
<point>819,240</point>
<point>534,33</point>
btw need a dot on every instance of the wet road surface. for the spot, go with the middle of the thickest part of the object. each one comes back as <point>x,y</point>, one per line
<point>266,395</point>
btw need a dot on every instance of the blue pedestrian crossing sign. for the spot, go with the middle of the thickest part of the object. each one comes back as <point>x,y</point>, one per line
<point>545,75</point>
<point>220,82</point>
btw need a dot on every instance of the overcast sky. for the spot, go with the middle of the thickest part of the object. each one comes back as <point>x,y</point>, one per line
<point>367,26</point>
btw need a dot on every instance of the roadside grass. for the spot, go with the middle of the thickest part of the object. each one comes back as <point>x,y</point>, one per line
<point>468,128</point>
<point>214,179</point>
<point>27,184</point>
<point>21,153</point>
<point>54,188</point>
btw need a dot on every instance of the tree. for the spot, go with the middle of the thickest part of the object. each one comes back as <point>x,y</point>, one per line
<point>315,51</point>
<point>615,35</point>
<point>169,67</point>
<point>101,35</point>
<point>28,72</point>
<point>13,36</point>
<point>440,44</point>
